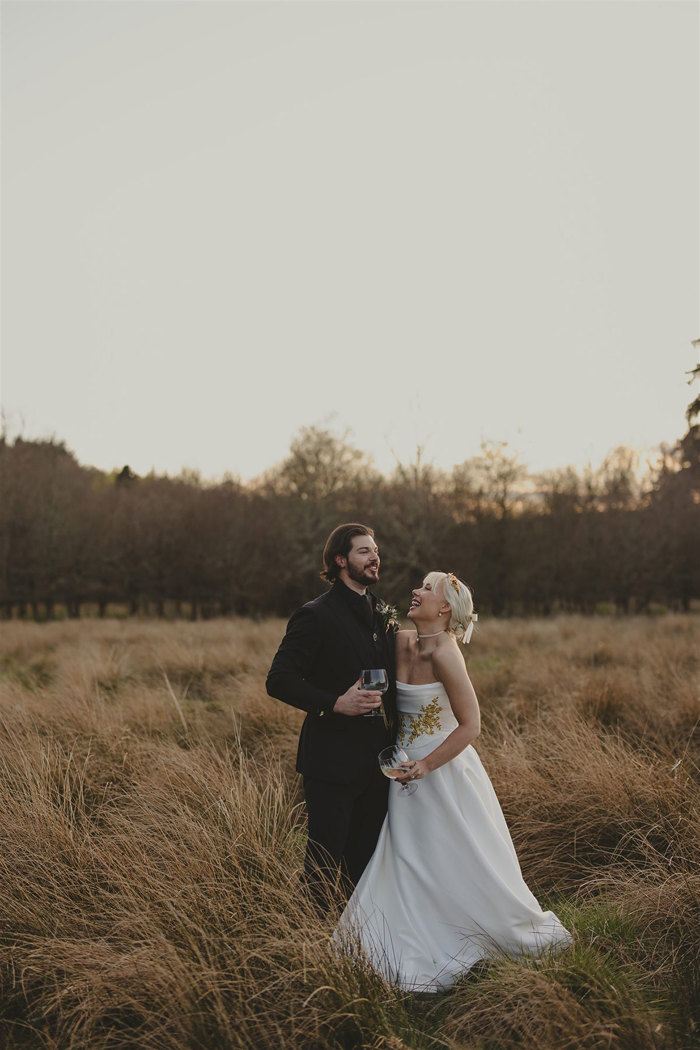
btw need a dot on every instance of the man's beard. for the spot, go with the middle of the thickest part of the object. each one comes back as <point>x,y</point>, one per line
<point>360,575</point>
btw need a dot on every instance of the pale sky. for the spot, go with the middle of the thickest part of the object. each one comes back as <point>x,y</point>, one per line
<point>430,223</point>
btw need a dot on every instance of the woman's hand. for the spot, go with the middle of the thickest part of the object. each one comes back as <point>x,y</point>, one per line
<point>414,770</point>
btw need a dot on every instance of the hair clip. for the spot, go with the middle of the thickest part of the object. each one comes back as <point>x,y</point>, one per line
<point>453,580</point>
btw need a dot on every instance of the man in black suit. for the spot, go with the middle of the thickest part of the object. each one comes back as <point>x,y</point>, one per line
<point>329,641</point>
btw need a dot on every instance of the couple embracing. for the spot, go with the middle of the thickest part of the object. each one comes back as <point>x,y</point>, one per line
<point>427,860</point>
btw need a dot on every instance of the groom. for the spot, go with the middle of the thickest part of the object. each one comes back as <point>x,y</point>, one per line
<point>329,641</point>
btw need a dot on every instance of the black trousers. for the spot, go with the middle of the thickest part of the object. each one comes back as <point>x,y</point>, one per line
<point>344,825</point>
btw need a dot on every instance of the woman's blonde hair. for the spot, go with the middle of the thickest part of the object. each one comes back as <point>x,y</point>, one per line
<point>459,598</point>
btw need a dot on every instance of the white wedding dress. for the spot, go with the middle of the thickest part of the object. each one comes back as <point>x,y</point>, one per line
<point>443,888</point>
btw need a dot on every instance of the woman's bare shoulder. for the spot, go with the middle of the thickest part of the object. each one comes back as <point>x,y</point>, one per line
<point>446,657</point>
<point>404,639</point>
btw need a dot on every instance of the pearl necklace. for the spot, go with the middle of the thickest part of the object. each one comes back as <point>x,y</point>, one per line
<point>434,635</point>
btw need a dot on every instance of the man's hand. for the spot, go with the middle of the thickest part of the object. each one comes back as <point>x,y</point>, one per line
<point>357,701</point>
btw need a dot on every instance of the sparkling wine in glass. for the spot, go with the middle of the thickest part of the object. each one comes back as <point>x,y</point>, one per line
<point>391,760</point>
<point>376,680</point>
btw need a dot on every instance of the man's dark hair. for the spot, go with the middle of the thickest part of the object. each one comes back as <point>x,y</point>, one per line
<point>339,543</point>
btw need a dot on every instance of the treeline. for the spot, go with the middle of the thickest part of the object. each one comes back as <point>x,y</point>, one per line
<point>74,539</point>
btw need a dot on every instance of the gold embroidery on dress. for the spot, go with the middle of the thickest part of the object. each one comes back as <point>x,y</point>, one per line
<point>422,724</point>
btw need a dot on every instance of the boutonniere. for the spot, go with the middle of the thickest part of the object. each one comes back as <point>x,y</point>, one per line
<point>389,615</point>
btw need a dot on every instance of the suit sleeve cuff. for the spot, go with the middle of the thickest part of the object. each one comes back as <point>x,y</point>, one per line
<point>326,708</point>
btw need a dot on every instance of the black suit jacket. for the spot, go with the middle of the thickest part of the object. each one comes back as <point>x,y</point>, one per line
<point>326,646</point>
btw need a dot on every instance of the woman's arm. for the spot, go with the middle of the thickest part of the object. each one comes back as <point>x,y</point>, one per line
<point>401,648</point>
<point>449,669</point>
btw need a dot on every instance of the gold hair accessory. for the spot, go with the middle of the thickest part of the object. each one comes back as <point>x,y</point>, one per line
<point>453,580</point>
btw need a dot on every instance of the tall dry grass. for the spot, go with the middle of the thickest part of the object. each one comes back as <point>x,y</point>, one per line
<point>152,839</point>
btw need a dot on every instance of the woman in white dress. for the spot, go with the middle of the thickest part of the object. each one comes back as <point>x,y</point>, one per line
<point>443,888</point>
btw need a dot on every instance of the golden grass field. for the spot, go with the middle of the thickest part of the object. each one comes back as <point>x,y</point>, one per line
<point>152,838</point>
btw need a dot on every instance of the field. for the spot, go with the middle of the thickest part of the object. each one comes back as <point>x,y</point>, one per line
<point>152,837</point>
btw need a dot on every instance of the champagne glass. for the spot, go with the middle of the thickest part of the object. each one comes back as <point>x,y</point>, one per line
<point>376,680</point>
<point>391,759</point>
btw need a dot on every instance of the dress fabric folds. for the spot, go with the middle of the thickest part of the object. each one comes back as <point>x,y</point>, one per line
<point>443,888</point>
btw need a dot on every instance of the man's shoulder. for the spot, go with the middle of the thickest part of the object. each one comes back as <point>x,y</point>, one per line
<point>322,602</point>
<point>319,603</point>
<point>317,615</point>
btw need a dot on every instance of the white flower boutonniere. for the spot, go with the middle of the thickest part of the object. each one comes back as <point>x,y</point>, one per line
<point>389,615</point>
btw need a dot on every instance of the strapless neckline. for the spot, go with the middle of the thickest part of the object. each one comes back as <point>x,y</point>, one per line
<point>416,685</point>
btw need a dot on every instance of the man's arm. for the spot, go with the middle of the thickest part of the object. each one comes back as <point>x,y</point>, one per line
<point>294,661</point>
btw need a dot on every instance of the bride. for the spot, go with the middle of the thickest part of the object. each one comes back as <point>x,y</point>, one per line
<point>443,888</point>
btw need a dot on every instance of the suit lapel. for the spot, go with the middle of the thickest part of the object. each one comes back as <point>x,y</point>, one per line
<point>391,649</point>
<point>390,638</point>
<point>349,626</point>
